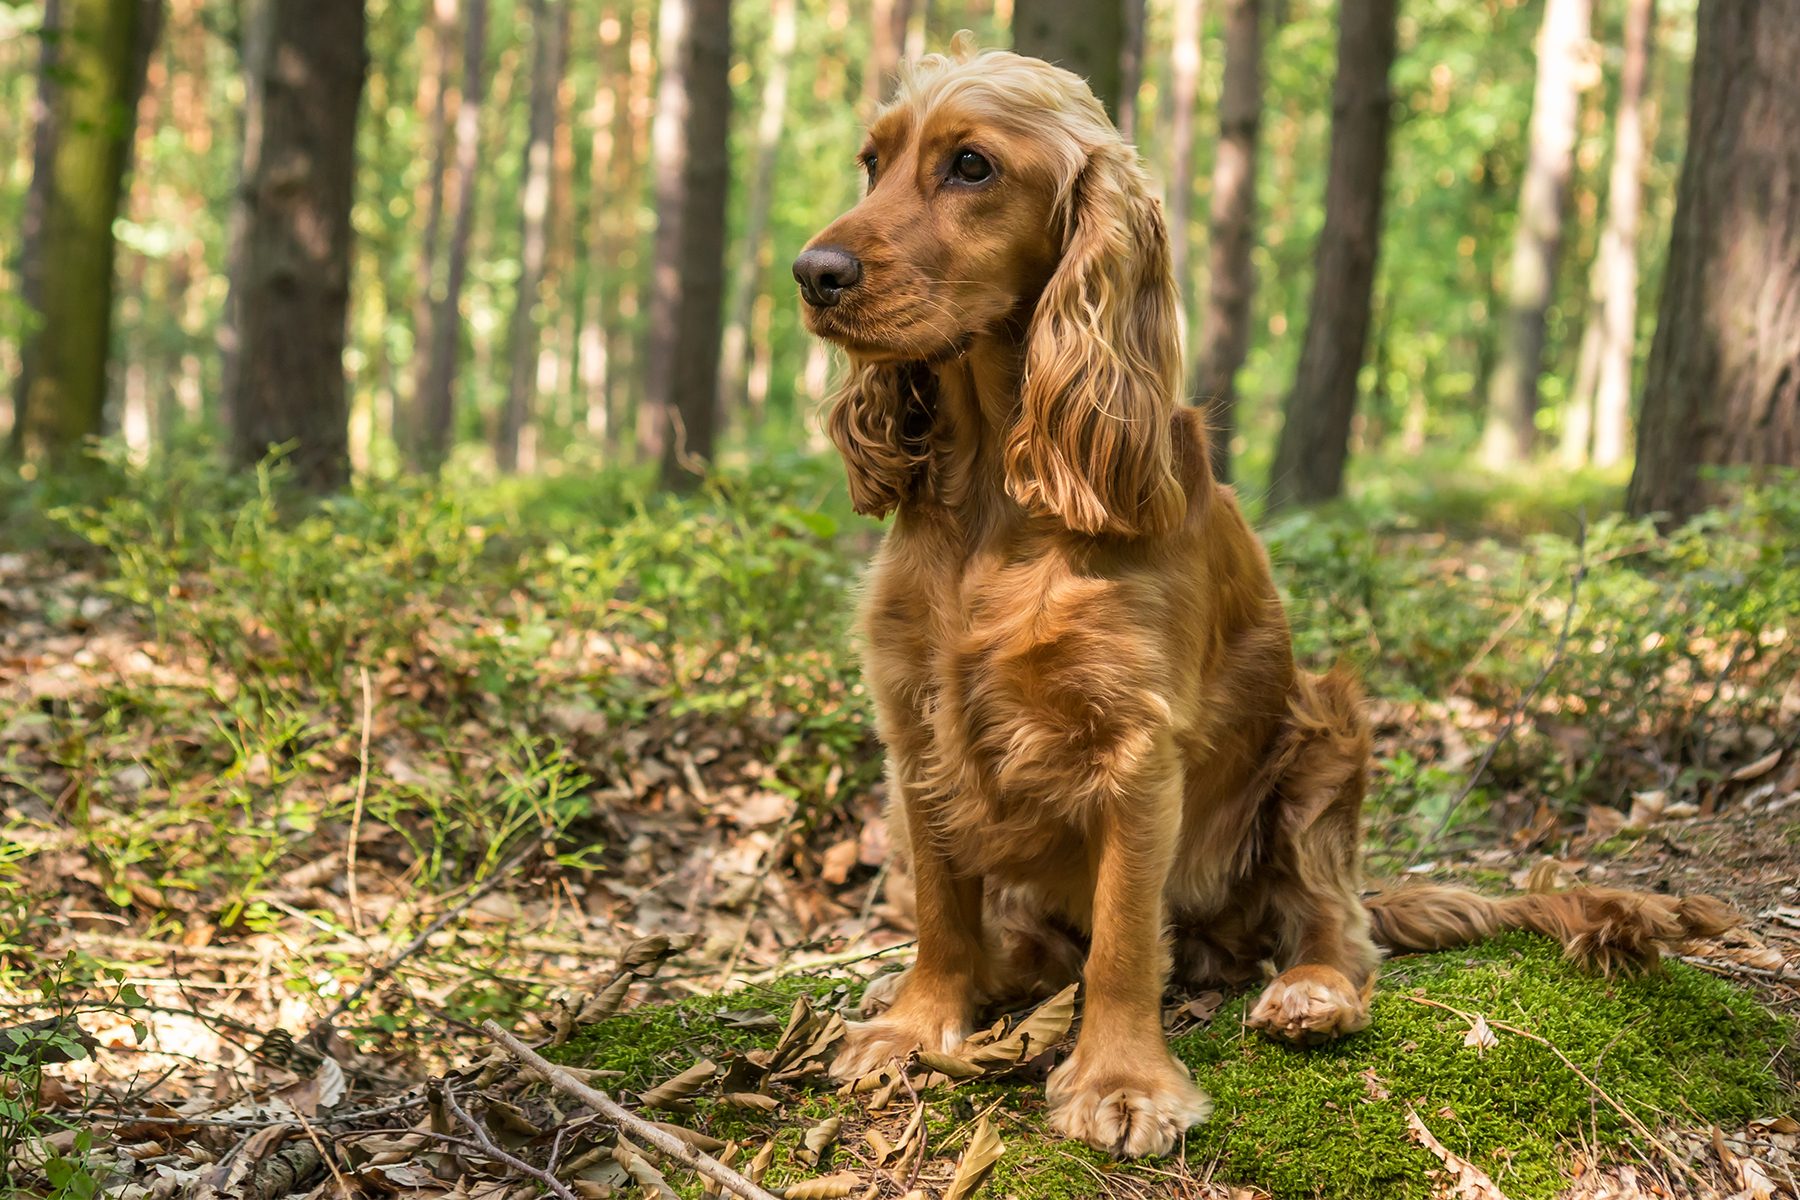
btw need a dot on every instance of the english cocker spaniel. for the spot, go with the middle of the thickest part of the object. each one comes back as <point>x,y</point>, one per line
<point>1104,763</point>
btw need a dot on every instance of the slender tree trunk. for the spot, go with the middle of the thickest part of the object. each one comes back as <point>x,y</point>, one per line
<point>296,286</point>
<point>255,22</point>
<point>1086,36</point>
<point>1225,331</point>
<point>1511,426</point>
<point>693,109</point>
<point>605,141</point>
<point>93,60</point>
<point>1131,69</point>
<point>752,264</point>
<point>1618,247</point>
<point>31,246</point>
<point>625,334</point>
<point>1723,383</point>
<point>888,20</point>
<point>437,384</point>
<point>434,90</point>
<point>1184,93</point>
<point>546,78</point>
<point>1309,458</point>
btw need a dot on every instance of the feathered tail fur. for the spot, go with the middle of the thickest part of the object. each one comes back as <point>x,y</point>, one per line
<point>1606,929</point>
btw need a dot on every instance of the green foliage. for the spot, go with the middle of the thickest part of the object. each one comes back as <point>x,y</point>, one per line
<point>1678,649</point>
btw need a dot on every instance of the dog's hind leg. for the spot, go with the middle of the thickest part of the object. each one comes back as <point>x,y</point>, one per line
<point>1321,929</point>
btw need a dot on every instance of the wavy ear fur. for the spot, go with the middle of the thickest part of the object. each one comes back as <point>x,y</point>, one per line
<point>1093,444</point>
<point>880,420</point>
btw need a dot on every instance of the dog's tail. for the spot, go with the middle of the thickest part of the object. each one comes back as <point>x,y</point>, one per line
<point>1605,929</point>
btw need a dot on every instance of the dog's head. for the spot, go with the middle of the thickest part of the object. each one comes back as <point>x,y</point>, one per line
<point>1002,201</point>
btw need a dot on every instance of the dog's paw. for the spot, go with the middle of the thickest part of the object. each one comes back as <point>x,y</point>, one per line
<point>1126,1112</point>
<point>871,1045</point>
<point>881,993</point>
<point>1310,1004</point>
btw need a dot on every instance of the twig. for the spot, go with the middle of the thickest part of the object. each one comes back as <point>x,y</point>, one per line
<point>665,1143</point>
<point>312,1135</point>
<point>1643,1130</point>
<point>387,968</point>
<point>356,812</point>
<point>489,1148</point>
<point>754,901</point>
<point>1518,710</point>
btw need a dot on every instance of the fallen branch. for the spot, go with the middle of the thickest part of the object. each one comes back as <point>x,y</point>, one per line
<point>664,1142</point>
<point>493,1151</point>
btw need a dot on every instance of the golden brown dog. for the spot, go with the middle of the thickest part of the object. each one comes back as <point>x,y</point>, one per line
<point>1102,755</point>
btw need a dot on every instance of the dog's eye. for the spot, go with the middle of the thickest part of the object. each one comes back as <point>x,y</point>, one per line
<point>871,164</point>
<point>970,167</point>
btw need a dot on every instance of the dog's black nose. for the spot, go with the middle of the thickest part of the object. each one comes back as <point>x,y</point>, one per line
<point>826,273</point>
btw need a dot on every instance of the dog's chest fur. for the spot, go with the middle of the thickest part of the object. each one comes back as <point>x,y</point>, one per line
<point>1014,692</point>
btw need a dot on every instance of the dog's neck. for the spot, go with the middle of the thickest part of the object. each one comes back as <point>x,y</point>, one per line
<point>977,404</point>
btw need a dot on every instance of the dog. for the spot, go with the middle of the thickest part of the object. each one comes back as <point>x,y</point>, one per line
<point>1104,763</point>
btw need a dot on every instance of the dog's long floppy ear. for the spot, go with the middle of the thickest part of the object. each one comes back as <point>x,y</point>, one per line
<point>880,420</point>
<point>1093,444</point>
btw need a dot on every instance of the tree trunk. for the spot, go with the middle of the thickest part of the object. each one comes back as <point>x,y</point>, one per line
<point>1086,36</point>
<point>296,285</point>
<point>92,62</point>
<point>1309,458</point>
<point>1131,70</point>
<point>1723,384</point>
<point>752,264</point>
<point>1184,94</point>
<point>434,89</point>
<point>255,21</point>
<point>436,389</point>
<point>1618,247</point>
<point>887,20</point>
<point>1511,425</point>
<point>692,171</point>
<point>546,78</point>
<point>1225,331</point>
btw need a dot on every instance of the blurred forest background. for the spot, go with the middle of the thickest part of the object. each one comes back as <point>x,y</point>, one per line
<point>491,210</point>
<point>422,575</point>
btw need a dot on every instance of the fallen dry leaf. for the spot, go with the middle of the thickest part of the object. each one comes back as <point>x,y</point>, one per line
<point>1467,1181</point>
<point>826,1187</point>
<point>984,1150</point>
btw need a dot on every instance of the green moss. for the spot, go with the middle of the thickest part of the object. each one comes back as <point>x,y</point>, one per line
<point>1330,1121</point>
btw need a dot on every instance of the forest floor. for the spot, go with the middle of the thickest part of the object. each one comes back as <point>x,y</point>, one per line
<point>293,799</point>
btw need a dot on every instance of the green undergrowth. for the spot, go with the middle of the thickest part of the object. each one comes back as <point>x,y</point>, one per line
<point>1680,1047</point>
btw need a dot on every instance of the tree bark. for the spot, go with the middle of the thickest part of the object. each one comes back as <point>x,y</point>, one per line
<point>1315,435</point>
<point>1131,70</point>
<point>296,286</point>
<point>436,389</point>
<point>434,90</point>
<point>1510,430</point>
<point>546,78</point>
<point>692,171</point>
<point>1231,286</point>
<point>1184,94</point>
<point>92,73</point>
<point>255,21</point>
<point>1619,245</point>
<point>1723,383</point>
<point>1086,36</point>
<point>888,20</point>
<point>753,262</point>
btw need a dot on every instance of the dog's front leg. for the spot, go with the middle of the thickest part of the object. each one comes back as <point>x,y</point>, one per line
<point>935,1005</point>
<point>1122,1091</point>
